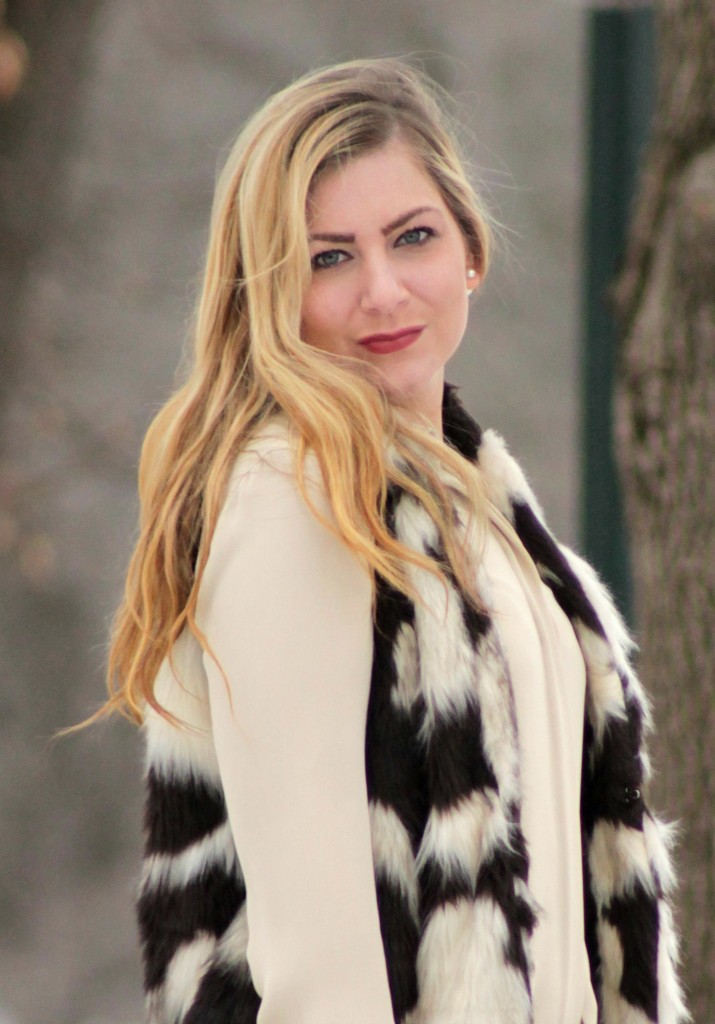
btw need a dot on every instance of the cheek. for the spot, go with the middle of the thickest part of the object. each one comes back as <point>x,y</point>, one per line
<point>313,317</point>
<point>445,289</point>
<point>444,275</point>
<point>322,315</point>
<point>450,305</point>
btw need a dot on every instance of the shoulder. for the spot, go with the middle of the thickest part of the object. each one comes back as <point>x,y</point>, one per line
<point>273,447</point>
<point>275,539</point>
<point>272,508</point>
<point>270,458</point>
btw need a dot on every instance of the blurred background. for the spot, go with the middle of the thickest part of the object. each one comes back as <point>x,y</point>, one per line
<point>113,122</point>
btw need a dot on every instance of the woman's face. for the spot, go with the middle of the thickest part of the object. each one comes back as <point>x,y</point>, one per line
<point>390,273</point>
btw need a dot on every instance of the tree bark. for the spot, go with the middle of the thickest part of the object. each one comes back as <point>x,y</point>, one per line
<point>665,442</point>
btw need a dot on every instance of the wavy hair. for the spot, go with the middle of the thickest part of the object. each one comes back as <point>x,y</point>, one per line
<point>250,362</point>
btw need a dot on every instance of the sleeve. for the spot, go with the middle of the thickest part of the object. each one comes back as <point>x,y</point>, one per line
<point>286,608</point>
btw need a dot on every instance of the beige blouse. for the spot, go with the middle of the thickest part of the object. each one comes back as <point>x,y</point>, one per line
<point>286,608</point>
<point>549,681</point>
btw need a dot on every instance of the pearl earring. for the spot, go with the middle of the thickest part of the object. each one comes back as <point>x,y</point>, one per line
<point>471,274</point>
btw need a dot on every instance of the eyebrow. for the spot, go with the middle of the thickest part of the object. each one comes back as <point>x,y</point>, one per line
<point>387,230</point>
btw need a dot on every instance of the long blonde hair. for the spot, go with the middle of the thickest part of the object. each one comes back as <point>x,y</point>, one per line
<point>250,362</point>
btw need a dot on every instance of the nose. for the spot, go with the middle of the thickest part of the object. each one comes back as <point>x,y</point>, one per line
<point>382,289</point>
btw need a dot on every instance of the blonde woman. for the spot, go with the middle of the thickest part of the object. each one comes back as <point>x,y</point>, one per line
<point>395,749</point>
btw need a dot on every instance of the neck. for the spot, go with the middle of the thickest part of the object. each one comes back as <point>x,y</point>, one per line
<point>427,402</point>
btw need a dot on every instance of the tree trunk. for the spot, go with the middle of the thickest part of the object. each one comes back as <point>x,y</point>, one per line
<point>665,440</point>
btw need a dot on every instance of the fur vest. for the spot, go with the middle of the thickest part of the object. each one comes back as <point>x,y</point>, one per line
<point>442,768</point>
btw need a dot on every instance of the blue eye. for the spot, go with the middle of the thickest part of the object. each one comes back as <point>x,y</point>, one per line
<point>415,236</point>
<point>328,258</point>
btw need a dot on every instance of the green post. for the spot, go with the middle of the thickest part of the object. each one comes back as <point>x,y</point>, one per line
<point>620,100</point>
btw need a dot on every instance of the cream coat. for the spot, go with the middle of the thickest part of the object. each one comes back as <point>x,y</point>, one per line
<point>442,773</point>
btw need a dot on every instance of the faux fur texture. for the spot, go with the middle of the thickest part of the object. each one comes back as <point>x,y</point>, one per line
<point>442,768</point>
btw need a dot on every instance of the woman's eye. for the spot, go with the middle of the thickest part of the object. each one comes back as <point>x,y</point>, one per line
<point>415,236</point>
<point>328,258</point>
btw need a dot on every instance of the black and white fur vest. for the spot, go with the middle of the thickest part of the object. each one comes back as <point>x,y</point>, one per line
<point>442,767</point>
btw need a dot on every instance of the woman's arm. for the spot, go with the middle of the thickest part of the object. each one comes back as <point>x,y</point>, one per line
<point>286,609</point>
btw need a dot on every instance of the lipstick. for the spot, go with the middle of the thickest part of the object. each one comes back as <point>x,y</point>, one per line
<point>381,344</point>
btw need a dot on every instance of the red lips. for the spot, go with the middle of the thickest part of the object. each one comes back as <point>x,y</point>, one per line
<point>391,342</point>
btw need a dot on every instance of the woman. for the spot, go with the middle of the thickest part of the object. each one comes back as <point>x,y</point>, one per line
<point>395,757</point>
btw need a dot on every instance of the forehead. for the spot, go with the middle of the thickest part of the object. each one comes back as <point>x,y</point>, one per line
<point>373,186</point>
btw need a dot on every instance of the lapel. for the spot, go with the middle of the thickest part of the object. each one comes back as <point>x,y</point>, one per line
<point>604,641</point>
